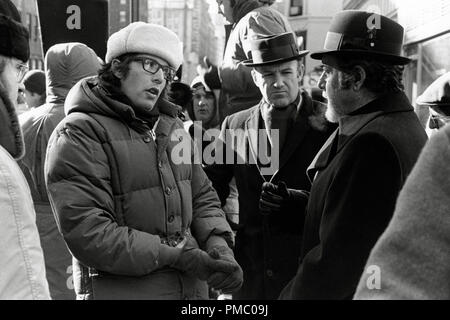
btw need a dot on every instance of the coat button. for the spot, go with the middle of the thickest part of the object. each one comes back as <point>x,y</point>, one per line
<point>171,218</point>
<point>147,139</point>
<point>269,273</point>
<point>168,191</point>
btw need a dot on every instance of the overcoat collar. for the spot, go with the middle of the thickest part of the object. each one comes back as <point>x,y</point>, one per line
<point>351,124</point>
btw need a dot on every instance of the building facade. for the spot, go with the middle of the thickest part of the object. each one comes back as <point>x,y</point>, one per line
<point>191,21</point>
<point>123,12</point>
<point>30,19</point>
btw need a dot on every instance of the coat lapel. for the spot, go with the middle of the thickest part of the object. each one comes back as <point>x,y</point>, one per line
<point>251,129</point>
<point>298,131</point>
<point>323,157</point>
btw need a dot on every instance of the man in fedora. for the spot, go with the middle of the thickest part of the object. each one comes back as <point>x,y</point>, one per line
<point>360,170</point>
<point>268,238</point>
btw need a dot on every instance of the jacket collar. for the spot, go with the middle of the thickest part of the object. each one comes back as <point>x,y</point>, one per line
<point>10,133</point>
<point>111,102</point>
<point>351,124</point>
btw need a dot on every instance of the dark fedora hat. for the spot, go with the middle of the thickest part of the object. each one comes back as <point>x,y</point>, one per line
<point>437,95</point>
<point>357,33</point>
<point>272,49</point>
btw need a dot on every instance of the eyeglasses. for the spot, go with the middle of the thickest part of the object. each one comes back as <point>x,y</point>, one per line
<point>21,70</point>
<point>153,67</point>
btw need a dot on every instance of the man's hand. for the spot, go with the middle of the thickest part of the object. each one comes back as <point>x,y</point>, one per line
<point>276,198</point>
<point>227,282</point>
<point>209,73</point>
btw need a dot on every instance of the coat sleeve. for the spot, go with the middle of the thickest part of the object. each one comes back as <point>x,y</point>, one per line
<point>358,206</point>
<point>78,180</point>
<point>237,78</point>
<point>413,254</point>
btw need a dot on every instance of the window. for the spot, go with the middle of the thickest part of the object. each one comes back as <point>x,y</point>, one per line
<point>296,8</point>
<point>123,16</point>
<point>123,2</point>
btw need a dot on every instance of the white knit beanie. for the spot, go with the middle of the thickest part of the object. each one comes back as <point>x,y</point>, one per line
<point>141,37</point>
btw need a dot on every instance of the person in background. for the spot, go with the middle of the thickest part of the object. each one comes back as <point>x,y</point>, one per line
<point>22,268</point>
<point>65,65</point>
<point>247,19</point>
<point>34,83</point>
<point>139,224</point>
<point>436,98</point>
<point>204,111</point>
<point>412,257</point>
<point>358,173</point>
<point>180,94</point>
<point>268,239</point>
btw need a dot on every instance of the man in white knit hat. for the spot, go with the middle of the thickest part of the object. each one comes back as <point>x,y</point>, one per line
<point>139,225</point>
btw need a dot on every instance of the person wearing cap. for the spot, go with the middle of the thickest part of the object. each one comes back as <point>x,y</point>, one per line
<point>436,97</point>
<point>34,83</point>
<point>268,238</point>
<point>22,268</point>
<point>139,223</point>
<point>65,65</point>
<point>413,253</point>
<point>204,112</point>
<point>247,19</point>
<point>358,173</point>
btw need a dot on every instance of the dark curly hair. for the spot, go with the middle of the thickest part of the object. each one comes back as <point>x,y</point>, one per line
<point>380,77</point>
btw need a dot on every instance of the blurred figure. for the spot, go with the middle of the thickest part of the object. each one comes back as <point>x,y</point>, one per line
<point>180,94</point>
<point>248,19</point>
<point>413,254</point>
<point>139,224</point>
<point>22,268</point>
<point>65,65</point>
<point>358,173</point>
<point>204,110</point>
<point>21,103</point>
<point>437,98</point>
<point>34,83</point>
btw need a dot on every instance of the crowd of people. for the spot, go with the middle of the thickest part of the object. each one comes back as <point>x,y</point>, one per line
<point>120,182</point>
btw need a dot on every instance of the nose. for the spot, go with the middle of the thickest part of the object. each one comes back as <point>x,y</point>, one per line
<point>158,77</point>
<point>322,81</point>
<point>278,81</point>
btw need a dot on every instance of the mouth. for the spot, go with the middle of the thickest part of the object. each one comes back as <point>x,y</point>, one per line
<point>279,92</point>
<point>153,91</point>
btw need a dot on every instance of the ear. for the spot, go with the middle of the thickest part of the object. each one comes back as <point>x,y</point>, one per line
<point>359,75</point>
<point>115,69</point>
<point>300,70</point>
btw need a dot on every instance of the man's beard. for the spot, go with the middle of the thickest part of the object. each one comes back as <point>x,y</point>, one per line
<point>332,113</point>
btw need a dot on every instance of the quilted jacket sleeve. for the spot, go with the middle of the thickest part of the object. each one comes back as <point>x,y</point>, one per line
<point>78,183</point>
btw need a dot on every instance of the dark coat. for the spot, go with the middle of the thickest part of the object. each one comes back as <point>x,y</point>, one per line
<point>267,248</point>
<point>353,195</point>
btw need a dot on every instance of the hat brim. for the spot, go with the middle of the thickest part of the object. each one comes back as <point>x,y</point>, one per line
<point>249,63</point>
<point>393,59</point>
